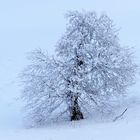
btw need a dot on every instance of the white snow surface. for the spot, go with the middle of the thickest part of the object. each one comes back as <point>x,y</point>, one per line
<point>125,129</point>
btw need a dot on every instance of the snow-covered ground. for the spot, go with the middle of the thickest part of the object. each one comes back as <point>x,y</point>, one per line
<point>128,128</point>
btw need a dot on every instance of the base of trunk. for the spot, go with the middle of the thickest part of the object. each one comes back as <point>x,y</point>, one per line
<point>76,115</point>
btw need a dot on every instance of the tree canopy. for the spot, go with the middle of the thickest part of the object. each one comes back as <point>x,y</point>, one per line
<point>90,69</point>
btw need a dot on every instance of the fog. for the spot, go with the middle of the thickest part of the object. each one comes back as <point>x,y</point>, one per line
<point>29,24</point>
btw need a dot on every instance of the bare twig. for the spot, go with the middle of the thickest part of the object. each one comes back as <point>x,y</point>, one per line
<point>117,117</point>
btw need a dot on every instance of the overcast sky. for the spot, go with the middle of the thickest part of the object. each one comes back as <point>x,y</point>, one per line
<point>29,24</point>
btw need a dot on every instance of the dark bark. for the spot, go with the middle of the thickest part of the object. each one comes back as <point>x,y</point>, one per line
<point>76,113</point>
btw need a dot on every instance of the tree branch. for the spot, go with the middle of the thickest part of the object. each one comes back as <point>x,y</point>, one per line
<point>117,117</point>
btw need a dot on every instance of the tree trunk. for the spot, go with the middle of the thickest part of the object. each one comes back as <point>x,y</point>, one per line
<point>76,113</point>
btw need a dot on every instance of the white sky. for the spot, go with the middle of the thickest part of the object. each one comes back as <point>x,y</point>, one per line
<point>29,24</point>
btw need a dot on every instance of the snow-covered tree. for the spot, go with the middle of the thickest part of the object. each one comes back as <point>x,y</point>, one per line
<point>90,69</point>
